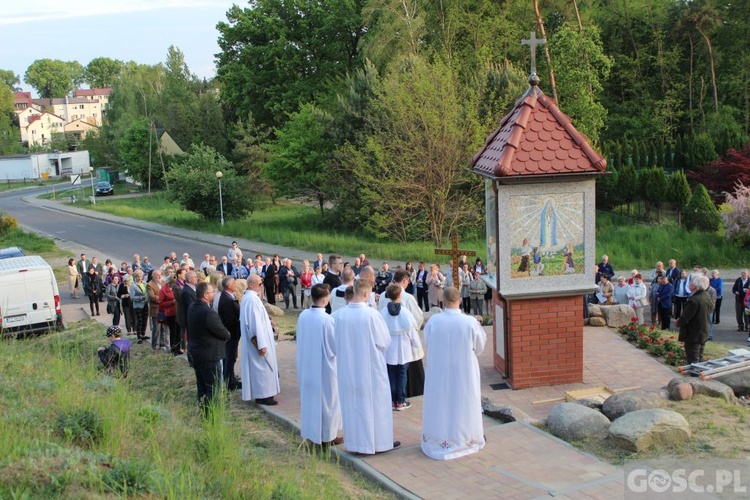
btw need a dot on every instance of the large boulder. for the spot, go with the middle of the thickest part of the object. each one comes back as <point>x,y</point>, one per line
<point>710,388</point>
<point>574,422</point>
<point>681,392</point>
<point>274,311</point>
<point>595,311</point>
<point>597,321</point>
<point>739,382</point>
<point>643,429</point>
<point>618,405</point>
<point>618,315</point>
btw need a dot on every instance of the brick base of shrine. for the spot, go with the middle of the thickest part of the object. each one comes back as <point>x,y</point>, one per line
<point>543,341</point>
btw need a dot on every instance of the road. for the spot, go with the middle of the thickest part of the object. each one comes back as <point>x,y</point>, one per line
<point>111,240</point>
<point>119,242</point>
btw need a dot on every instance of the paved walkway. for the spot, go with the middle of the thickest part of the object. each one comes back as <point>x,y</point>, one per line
<point>519,460</point>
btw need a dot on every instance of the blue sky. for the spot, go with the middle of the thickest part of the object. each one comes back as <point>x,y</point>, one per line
<point>137,30</point>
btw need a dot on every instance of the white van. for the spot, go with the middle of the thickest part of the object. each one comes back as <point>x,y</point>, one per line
<point>29,298</point>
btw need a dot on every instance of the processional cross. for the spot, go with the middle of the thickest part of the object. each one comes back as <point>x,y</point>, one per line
<point>533,42</point>
<point>454,252</point>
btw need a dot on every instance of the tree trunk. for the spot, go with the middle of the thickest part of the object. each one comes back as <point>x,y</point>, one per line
<point>540,24</point>
<point>713,68</point>
<point>321,202</point>
<point>690,83</point>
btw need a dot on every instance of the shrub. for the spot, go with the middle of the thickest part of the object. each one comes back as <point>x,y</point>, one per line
<point>83,427</point>
<point>736,215</point>
<point>193,184</point>
<point>656,342</point>
<point>128,477</point>
<point>7,223</point>
<point>701,213</point>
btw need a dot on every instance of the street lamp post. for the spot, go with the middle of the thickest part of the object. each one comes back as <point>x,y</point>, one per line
<point>219,175</point>
<point>93,192</point>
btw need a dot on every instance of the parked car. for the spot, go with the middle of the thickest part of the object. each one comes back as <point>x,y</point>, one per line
<point>104,188</point>
<point>10,252</point>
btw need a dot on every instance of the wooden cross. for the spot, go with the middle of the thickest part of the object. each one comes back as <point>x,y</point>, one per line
<point>454,252</point>
<point>533,43</point>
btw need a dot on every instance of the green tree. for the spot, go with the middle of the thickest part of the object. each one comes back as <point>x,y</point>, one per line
<point>9,78</point>
<point>10,137</point>
<point>133,149</point>
<point>412,171</point>
<point>249,155</point>
<point>298,164</point>
<point>607,195</point>
<point>679,193</point>
<point>657,189</point>
<point>102,72</point>
<point>195,174</point>
<point>580,67</point>
<point>700,151</point>
<point>277,54</point>
<point>701,213</point>
<point>627,185</point>
<point>54,78</point>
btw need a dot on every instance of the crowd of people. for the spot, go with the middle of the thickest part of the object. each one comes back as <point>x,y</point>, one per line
<point>358,348</point>
<point>693,299</point>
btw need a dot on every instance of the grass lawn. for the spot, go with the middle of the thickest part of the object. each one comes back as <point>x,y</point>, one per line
<point>629,244</point>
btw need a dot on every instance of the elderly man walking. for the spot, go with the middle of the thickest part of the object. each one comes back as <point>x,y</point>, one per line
<point>695,317</point>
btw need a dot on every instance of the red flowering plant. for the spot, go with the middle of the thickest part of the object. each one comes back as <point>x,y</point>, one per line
<point>656,342</point>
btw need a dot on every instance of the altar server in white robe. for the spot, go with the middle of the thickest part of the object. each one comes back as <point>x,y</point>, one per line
<point>362,338</point>
<point>452,411</point>
<point>338,299</point>
<point>415,373</point>
<point>260,370</point>
<point>320,413</point>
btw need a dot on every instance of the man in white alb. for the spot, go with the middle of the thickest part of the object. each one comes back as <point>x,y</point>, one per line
<point>452,411</point>
<point>362,338</point>
<point>337,294</point>
<point>320,410</point>
<point>260,371</point>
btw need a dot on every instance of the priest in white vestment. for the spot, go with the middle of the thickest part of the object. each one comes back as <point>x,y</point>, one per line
<point>362,338</point>
<point>320,411</point>
<point>260,370</point>
<point>338,299</point>
<point>452,406</point>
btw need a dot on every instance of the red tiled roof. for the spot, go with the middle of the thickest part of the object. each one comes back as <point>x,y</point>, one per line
<point>33,118</point>
<point>535,139</point>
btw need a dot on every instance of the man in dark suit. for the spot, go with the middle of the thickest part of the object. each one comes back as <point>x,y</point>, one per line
<point>229,312</point>
<point>673,273</point>
<point>604,268</point>
<point>207,347</point>
<point>225,267</point>
<point>738,289</point>
<point>187,297</point>
<point>694,320</point>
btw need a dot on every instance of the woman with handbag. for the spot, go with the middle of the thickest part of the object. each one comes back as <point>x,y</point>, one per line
<point>126,304</point>
<point>637,297</point>
<point>435,283</point>
<point>73,278</point>
<point>113,301</point>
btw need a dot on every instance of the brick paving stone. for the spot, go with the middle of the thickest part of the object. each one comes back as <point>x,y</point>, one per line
<point>519,461</point>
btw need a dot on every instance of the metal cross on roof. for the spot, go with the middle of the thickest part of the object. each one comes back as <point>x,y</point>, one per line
<point>533,42</point>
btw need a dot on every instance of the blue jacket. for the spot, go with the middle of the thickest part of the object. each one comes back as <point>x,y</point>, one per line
<point>718,285</point>
<point>664,295</point>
